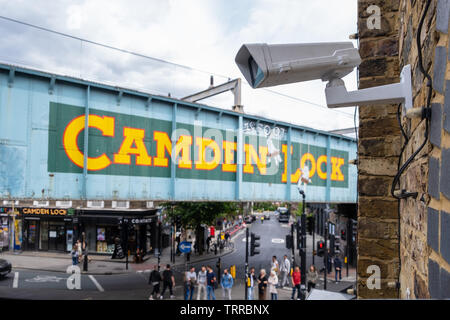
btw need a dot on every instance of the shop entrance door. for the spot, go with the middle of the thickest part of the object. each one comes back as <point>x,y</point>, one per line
<point>56,236</point>
<point>32,234</point>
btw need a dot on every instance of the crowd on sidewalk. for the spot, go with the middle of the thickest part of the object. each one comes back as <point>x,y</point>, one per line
<point>202,284</point>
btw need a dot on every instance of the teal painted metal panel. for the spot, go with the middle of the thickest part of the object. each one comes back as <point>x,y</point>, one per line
<point>127,152</point>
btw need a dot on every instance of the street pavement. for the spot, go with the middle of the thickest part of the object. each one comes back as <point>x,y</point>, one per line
<point>46,278</point>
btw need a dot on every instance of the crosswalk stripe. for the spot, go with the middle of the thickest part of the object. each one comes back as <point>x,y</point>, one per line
<point>99,287</point>
<point>16,280</point>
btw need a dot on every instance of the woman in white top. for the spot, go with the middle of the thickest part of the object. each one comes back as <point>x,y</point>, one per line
<point>275,266</point>
<point>273,281</point>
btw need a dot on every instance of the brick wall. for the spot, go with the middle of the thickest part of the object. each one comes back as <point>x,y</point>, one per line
<point>378,150</point>
<point>425,221</point>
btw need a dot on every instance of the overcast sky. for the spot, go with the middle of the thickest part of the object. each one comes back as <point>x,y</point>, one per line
<point>202,34</point>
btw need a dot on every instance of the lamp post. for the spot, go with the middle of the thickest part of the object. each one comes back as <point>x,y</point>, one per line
<point>302,248</point>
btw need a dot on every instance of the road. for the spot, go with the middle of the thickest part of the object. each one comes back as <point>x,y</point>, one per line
<point>35,284</point>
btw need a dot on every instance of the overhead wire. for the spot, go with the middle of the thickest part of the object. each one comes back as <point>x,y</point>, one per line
<point>159,60</point>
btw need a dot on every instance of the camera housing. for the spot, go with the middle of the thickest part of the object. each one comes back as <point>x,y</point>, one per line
<point>266,65</point>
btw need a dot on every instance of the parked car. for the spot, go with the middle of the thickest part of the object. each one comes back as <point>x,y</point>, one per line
<point>267,216</point>
<point>248,219</point>
<point>5,267</point>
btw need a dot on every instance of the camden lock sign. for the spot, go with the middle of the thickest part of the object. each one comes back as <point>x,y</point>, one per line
<point>123,144</point>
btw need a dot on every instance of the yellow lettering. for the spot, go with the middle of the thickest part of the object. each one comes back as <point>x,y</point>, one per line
<point>229,164</point>
<point>133,136</point>
<point>70,137</point>
<point>322,159</point>
<point>250,154</point>
<point>164,144</point>
<point>201,163</point>
<point>336,173</point>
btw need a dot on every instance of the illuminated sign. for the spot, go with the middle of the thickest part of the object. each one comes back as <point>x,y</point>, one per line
<point>44,211</point>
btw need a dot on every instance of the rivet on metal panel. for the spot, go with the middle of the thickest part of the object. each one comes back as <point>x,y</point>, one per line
<point>119,97</point>
<point>51,87</point>
<point>12,73</point>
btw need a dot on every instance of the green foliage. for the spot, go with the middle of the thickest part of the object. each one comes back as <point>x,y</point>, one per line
<point>193,214</point>
<point>264,206</point>
<point>299,211</point>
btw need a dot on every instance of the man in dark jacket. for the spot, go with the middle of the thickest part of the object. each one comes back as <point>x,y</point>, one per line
<point>155,280</point>
<point>168,282</point>
<point>337,268</point>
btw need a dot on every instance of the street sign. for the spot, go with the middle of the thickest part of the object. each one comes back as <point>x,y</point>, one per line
<point>185,246</point>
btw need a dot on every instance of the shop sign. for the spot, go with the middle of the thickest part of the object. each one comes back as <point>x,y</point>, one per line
<point>45,211</point>
<point>141,221</point>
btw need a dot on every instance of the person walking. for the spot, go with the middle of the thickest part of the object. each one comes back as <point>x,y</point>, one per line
<point>74,254</point>
<point>226,283</point>
<point>273,282</point>
<point>262,284</point>
<point>154,280</point>
<point>211,283</point>
<point>312,277</point>
<point>337,268</point>
<point>190,278</point>
<point>168,282</point>
<point>285,270</point>
<point>208,243</point>
<point>296,280</point>
<point>275,266</point>
<point>329,260</point>
<point>201,281</point>
<point>251,286</point>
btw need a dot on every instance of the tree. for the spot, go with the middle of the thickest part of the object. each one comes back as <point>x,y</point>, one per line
<point>194,214</point>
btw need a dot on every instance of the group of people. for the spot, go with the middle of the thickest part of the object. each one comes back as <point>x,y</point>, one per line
<point>204,281</point>
<point>278,278</point>
<point>79,252</point>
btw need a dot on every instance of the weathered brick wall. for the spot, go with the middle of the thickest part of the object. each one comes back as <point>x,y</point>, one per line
<point>378,150</point>
<point>425,221</point>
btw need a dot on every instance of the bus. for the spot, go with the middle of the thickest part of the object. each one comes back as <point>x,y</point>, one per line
<point>283,214</point>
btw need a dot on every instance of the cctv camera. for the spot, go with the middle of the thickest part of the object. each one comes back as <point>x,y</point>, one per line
<point>266,65</point>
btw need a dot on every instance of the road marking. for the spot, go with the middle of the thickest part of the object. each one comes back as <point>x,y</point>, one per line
<point>16,280</point>
<point>39,279</point>
<point>276,240</point>
<point>99,287</point>
<point>285,226</point>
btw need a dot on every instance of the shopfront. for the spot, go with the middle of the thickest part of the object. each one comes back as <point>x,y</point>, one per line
<point>47,229</point>
<point>103,229</point>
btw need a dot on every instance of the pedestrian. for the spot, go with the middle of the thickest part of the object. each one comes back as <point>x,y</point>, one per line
<point>275,266</point>
<point>168,282</point>
<point>201,281</point>
<point>337,268</point>
<point>251,285</point>
<point>312,277</point>
<point>285,271</point>
<point>227,237</point>
<point>80,251</point>
<point>262,284</point>
<point>190,279</point>
<point>154,280</point>
<point>211,283</point>
<point>208,243</point>
<point>226,283</point>
<point>329,261</point>
<point>74,254</point>
<point>296,280</point>
<point>273,282</point>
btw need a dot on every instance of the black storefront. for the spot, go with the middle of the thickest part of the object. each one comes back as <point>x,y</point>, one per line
<point>47,229</point>
<point>103,227</point>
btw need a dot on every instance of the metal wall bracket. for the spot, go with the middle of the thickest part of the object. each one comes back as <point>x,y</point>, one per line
<point>198,112</point>
<point>219,116</point>
<point>338,96</point>
<point>119,97</point>
<point>51,87</point>
<point>149,102</point>
<point>12,74</point>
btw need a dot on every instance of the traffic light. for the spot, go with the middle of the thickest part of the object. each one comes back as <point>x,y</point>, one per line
<point>178,221</point>
<point>354,230</point>
<point>253,244</point>
<point>289,241</point>
<point>332,247</point>
<point>320,248</point>
<point>343,234</point>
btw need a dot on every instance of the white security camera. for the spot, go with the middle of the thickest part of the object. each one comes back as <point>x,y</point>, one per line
<point>266,65</point>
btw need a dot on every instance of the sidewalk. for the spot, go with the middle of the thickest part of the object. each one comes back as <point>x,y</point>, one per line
<point>100,264</point>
